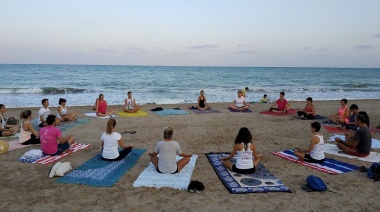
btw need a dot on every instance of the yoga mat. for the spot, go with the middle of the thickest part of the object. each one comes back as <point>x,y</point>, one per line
<point>329,166</point>
<point>47,159</point>
<point>334,129</point>
<point>151,178</point>
<point>63,126</point>
<point>14,144</point>
<point>261,181</point>
<point>329,122</point>
<point>290,112</point>
<point>168,112</point>
<point>204,111</point>
<point>333,149</point>
<point>241,111</point>
<point>101,173</point>
<point>138,113</point>
<point>317,117</point>
<point>374,144</point>
<point>94,115</point>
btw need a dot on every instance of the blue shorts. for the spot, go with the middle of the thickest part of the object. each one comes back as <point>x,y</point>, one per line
<point>62,148</point>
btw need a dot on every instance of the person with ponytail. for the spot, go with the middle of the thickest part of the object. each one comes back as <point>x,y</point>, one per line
<point>62,112</point>
<point>244,149</point>
<point>6,130</point>
<point>111,140</point>
<point>27,133</point>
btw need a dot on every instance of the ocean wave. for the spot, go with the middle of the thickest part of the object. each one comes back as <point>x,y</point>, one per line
<point>46,90</point>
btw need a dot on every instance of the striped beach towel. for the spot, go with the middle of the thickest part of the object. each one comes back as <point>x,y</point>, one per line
<point>47,159</point>
<point>330,166</point>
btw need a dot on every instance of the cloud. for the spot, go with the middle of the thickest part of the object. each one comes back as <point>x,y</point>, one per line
<point>242,46</point>
<point>107,49</point>
<point>245,52</point>
<point>363,47</point>
<point>377,36</point>
<point>205,46</point>
<point>306,48</point>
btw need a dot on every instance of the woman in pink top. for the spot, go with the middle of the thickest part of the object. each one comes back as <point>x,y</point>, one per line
<point>102,108</point>
<point>282,105</point>
<point>343,113</point>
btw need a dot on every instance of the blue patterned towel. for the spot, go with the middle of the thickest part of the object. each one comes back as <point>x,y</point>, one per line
<point>261,181</point>
<point>63,126</point>
<point>169,112</point>
<point>101,173</point>
<point>151,178</point>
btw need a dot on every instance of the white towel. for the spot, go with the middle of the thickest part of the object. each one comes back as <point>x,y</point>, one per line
<point>151,178</point>
<point>375,142</point>
<point>333,149</point>
<point>33,153</point>
<point>94,115</point>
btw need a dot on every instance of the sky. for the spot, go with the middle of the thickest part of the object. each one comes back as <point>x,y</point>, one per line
<point>265,33</point>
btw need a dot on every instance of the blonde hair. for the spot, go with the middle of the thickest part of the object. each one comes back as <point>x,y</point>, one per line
<point>168,133</point>
<point>111,123</point>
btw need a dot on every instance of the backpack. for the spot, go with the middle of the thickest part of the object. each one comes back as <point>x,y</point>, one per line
<point>374,171</point>
<point>314,184</point>
<point>11,121</point>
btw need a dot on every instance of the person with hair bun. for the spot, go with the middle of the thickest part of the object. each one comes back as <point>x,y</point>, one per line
<point>247,159</point>
<point>168,149</point>
<point>315,153</point>
<point>63,113</point>
<point>111,140</point>
<point>309,110</point>
<point>27,133</point>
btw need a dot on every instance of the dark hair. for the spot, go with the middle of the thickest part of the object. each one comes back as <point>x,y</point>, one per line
<point>316,126</point>
<point>168,133</point>
<point>44,100</point>
<point>246,88</point>
<point>354,107</point>
<point>25,114</point>
<point>364,117</point>
<point>61,100</point>
<point>344,100</point>
<point>239,91</point>
<point>50,119</point>
<point>244,136</point>
<point>309,99</point>
<point>129,92</point>
<point>111,123</point>
<point>265,95</point>
<point>282,93</point>
<point>100,95</point>
<point>1,106</point>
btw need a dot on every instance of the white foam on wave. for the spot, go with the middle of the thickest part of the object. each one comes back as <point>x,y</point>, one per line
<point>21,90</point>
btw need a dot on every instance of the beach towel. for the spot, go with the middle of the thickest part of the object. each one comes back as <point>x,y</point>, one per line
<point>317,117</point>
<point>375,143</point>
<point>14,144</point>
<point>94,115</point>
<point>334,129</point>
<point>329,165</point>
<point>290,112</point>
<point>151,178</point>
<point>241,111</point>
<point>47,159</point>
<point>261,181</point>
<point>334,150</point>
<point>138,113</point>
<point>63,126</point>
<point>328,123</point>
<point>102,173</point>
<point>168,112</point>
<point>204,111</point>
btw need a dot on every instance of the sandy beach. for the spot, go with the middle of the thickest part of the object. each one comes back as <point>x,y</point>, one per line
<point>25,187</point>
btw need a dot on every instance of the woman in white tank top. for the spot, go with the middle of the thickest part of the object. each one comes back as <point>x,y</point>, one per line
<point>62,112</point>
<point>246,157</point>
<point>315,153</point>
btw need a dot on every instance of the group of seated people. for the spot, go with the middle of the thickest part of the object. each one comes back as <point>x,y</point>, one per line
<point>357,142</point>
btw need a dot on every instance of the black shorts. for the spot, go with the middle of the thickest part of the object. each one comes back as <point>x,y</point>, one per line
<point>1,133</point>
<point>158,170</point>
<point>243,171</point>
<point>309,159</point>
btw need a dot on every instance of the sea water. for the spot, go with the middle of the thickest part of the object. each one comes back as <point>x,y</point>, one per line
<point>80,85</point>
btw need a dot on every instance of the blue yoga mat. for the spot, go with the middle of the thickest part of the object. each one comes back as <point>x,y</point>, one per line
<point>63,126</point>
<point>169,112</point>
<point>101,173</point>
